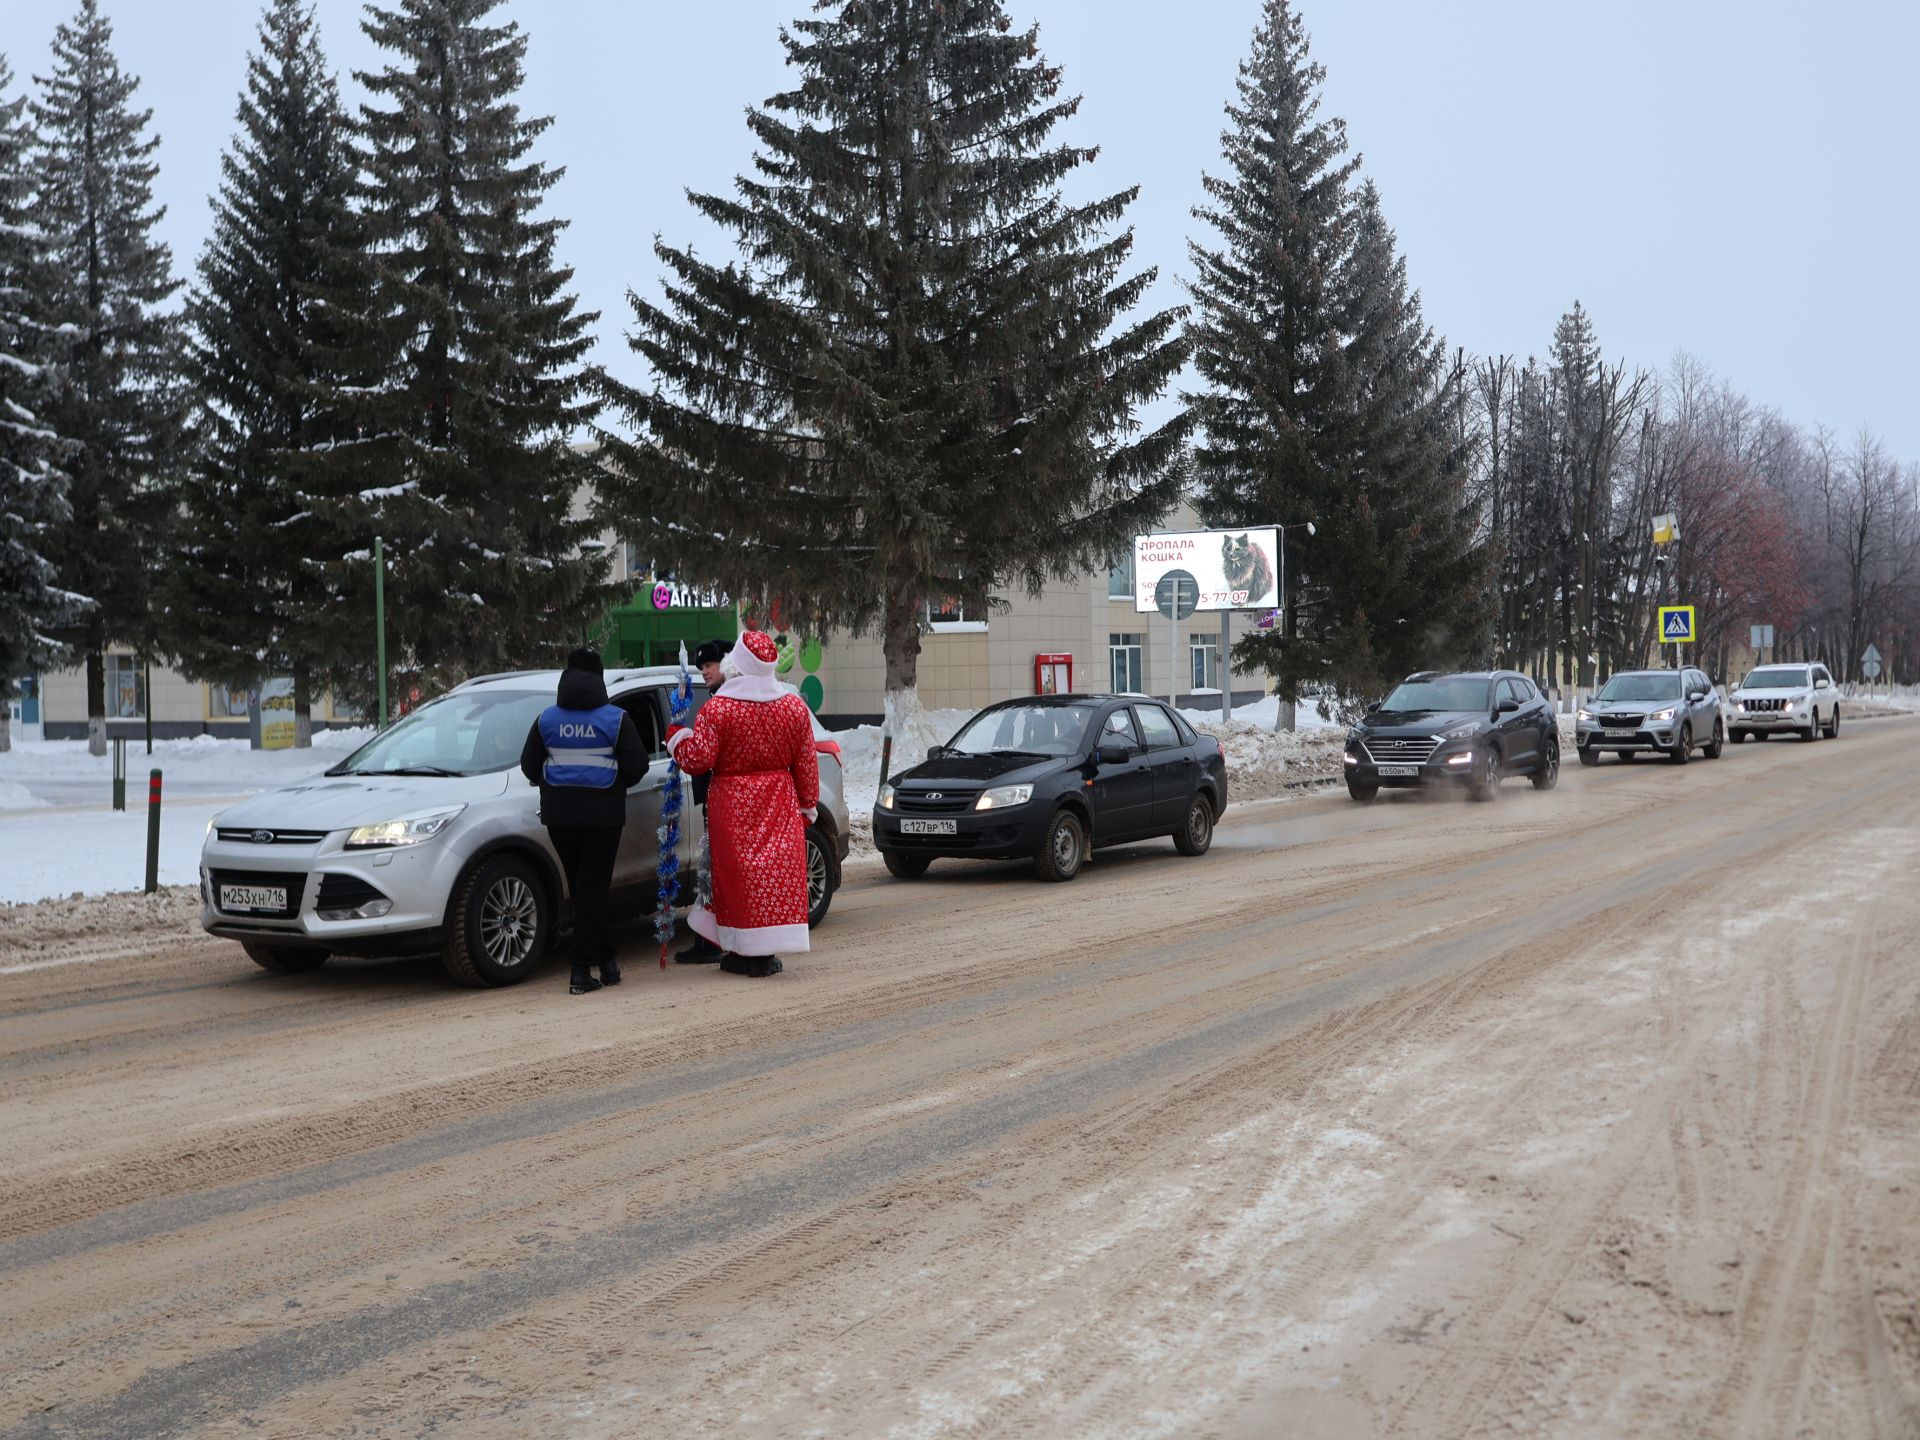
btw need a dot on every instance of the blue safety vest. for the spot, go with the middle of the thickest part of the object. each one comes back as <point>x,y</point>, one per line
<point>580,746</point>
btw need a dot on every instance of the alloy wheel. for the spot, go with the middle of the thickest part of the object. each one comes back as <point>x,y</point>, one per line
<point>509,921</point>
<point>816,875</point>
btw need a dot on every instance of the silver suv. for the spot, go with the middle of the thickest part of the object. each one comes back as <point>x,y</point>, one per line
<point>1796,699</point>
<point>1660,712</point>
<point>428,839</point>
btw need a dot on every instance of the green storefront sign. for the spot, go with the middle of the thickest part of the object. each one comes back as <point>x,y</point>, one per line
<point>651,627</point>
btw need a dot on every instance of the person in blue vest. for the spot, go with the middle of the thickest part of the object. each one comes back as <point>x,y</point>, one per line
<point>583,753</point>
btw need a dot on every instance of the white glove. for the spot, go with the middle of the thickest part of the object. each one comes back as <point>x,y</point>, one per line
<point>812,813</point>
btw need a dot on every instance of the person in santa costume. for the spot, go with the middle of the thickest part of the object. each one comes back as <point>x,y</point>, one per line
<point>755,738</point>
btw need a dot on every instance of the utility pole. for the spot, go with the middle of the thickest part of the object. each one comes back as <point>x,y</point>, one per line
<point>380,621</point>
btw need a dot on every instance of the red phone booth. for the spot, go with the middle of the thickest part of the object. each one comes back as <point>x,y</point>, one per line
<point>1053,674</point>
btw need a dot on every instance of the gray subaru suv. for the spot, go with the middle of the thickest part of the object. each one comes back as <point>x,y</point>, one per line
<point>1658,712</point>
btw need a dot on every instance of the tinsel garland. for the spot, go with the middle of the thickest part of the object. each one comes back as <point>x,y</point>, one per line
<point>667,873</point>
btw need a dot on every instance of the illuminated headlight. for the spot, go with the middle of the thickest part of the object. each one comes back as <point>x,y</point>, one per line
<point>1461,732</point>
<point>1586,715</point>
<point>1796,702</point>
<point>1660,717</point>
<point>1465,758</point>
<point>1004,797</point>
<point>886,797</point>
<point>1739,707</point>
<point>1352,759</point>
<point>407,830</point>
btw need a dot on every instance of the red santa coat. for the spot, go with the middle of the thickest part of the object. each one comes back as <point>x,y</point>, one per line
<point>765,772</point>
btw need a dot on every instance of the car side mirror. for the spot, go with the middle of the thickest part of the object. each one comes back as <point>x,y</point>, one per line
<point>1506,706</point>
<point>1696,695</point>
<point>936,752</point>
<point>1820,684</point>
<point>1113,753</point>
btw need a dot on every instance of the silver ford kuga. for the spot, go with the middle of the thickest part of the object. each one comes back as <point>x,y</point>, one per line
<point>1656,712</point>
<point>427,840</point>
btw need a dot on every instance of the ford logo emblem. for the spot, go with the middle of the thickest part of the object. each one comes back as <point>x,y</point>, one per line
<point>936,795</point>
<point>261,837</point>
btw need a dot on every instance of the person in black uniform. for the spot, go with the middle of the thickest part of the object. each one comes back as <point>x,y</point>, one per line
<point>708,657</point>
<point>583,753</point>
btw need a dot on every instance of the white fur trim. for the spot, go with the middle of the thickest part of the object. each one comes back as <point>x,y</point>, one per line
<point>812,813</point>
<point>766,940</point>
<point>674,740</point>
<point>760,688</point>
<point>748,663</point>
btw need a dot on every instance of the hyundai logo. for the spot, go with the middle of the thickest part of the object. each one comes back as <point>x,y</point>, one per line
<point>261,837</point>
<point>936,795</point>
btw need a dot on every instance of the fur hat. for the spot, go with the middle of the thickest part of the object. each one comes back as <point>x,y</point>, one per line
<point>711,652</point>
<point>585,659</point>
<point>752,659</point>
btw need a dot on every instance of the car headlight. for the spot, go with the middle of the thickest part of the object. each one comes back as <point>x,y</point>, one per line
<point>1003,797</point>
<point>1660,717</point>
<point>1462,732</point>
<point>1586,715</point>
<point>886,797</point>
<point>407,830</point>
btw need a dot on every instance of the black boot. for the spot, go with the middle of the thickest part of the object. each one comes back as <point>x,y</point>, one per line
<point>701,952</point>
<point>582,983</point>
<point>735,964</point>
<point>609,972</point>
<point>761,966</point>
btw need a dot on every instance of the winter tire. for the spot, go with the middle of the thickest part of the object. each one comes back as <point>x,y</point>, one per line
<point>1812,732</point>
<point>1683,745</point>
<point>823,877</point>
<point>1589,756</point>
<point>1548,775</point>
<point>498,925</point>
<point>905,867</point>
<point>1195,835</point>
<point>1833,725</point>
<point>1719,743</point>
<point>1485,784</point>
<point>1063,849</point>
<point>284,959</point>
<point>1363,793</point>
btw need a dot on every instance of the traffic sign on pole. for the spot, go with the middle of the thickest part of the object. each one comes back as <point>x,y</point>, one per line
<point>1870,663</point>
<point>1676,625</point>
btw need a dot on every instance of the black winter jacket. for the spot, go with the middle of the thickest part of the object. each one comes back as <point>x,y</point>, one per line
<point>571,805</point>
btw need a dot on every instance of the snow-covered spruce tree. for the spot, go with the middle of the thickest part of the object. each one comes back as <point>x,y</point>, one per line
<point>121,401</point>
<point>33,478</point>
<point>1326,398</point>
<point>489,565</point>
<point>919,379</point>
<point>281,354</point>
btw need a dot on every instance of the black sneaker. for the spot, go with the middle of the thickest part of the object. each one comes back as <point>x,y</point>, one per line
<point>583,985</point>
<point>761,966</point>
<point>609,973</point>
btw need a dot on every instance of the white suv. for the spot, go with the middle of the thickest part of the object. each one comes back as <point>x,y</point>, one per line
<point>428,839</point>
<point>1775,699</point>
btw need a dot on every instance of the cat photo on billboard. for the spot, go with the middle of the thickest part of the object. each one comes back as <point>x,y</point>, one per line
<point>1247,567</point>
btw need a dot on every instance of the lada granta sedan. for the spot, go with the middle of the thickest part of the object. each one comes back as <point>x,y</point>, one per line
<point>1465,730</point>
<point>1050,779</point>
<point>428,840</point>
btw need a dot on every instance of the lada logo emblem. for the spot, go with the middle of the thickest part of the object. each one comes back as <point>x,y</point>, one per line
<point>936,795</point>
<point>261,837</point>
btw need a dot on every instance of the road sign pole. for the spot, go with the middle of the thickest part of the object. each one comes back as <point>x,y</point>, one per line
<point>380,622</point>
<point>1226,666</point>
<point>153,831</point>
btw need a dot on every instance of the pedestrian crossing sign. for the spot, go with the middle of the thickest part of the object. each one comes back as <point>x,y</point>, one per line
<point>1676,625</point>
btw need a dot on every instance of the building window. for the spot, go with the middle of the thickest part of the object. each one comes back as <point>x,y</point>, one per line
<point>1128,656</point>
<point>1204,661</point>
<point>226,702</point>
<point>126,688</point>
<point>638,566</point>
<point>950,617</point>
<point>1120,578</point>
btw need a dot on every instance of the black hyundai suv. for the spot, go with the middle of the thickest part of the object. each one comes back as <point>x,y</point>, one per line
<point>1051,778</point>
<point>1472,730</point>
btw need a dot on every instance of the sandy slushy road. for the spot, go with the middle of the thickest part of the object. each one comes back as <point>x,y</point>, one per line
<point>1586,1113</point>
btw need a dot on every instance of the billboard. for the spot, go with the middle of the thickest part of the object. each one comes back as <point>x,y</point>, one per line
<point>1232,569</point>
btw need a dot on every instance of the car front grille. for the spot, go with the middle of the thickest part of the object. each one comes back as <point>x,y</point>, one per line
<point>1763,707</point>
<point>294,880</point>
<point>923,803</point>
<point>252,835</point>
<point>1621,722</point>
<point>1400,749</point>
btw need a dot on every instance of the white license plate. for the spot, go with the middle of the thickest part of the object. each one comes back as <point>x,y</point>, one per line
<point>253,897</point>
<point>929,827</point>
<point>1397,772</point>
<point>1620,734</point>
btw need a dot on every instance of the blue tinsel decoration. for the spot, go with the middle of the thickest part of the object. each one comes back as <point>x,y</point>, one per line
<point>667,874</point>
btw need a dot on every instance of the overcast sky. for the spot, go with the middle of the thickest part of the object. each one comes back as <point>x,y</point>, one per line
<point>1734,179</point>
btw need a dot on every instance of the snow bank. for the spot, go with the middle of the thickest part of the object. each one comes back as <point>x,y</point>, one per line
<point>96,852</point>
<point>204,758</point>
<point>15,796</point>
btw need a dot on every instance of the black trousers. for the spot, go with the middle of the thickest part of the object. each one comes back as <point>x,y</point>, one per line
<point>587,854</point>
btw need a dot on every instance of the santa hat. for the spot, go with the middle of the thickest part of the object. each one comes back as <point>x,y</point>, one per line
<point>754,655</point>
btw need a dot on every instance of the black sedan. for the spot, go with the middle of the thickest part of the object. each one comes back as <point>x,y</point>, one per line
<point>1472,730</point>
<point>1051,778</point>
